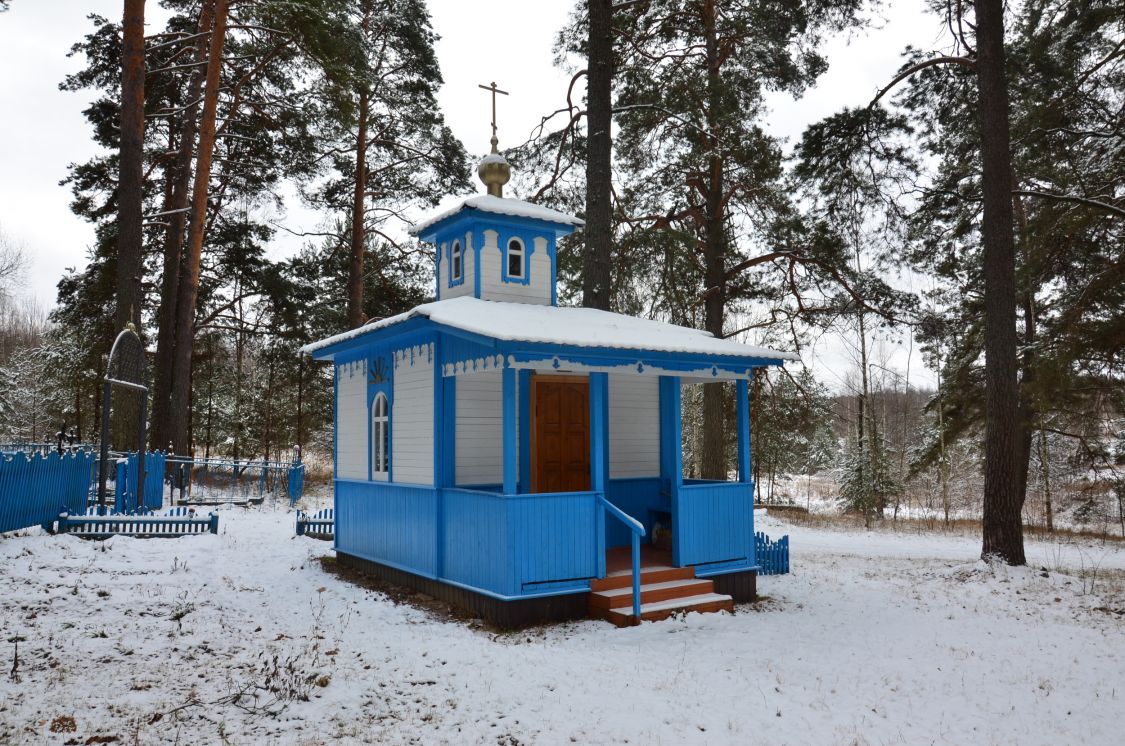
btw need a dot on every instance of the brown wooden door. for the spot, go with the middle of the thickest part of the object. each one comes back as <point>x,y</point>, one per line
<point>560,436</point>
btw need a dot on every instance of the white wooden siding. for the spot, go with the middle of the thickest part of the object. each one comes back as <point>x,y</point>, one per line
<point>412,416</point>
<point>479,433</point>
<point>634,426</point>
<point>492,285</point>
<point>351,420</point>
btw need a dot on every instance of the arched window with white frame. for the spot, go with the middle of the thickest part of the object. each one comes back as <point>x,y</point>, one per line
<point>380,437</point>
<point>516,259</point>
<point>455,261</point>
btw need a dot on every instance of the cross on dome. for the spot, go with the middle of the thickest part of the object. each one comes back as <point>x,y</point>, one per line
<point>494,170</point>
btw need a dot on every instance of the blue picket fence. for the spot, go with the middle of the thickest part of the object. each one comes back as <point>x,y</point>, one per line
<point>125,498</point>
<point>773,556</point>
<point>35,488</point>
<point>296,482</point>
<point>178,522</point>
<point>320,525</point>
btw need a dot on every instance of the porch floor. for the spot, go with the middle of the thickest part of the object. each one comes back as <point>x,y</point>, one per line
<point>619,561</point>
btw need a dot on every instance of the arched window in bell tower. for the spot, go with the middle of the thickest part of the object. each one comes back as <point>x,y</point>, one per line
<point>455,261</point>
<point>517,264</point>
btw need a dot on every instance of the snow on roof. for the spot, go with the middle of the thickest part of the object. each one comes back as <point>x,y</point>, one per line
<point>501,206</point>
<point>579,327</point>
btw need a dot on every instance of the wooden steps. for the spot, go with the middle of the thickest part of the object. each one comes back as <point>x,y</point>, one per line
<point>664,591</point>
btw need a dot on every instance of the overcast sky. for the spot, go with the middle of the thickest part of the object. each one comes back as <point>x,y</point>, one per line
<point>42,129</point>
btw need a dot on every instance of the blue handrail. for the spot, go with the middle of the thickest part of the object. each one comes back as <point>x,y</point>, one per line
<point>637,530</point>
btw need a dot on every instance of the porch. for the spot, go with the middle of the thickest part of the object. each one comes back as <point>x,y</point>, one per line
<point>512,539</point>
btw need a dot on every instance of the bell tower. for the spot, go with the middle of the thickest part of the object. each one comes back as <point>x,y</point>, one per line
<point>496,248</point>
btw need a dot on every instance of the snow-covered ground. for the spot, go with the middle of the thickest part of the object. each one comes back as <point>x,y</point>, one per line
<point>873,639</point>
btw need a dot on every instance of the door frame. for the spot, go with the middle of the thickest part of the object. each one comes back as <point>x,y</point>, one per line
<point>533,450</point>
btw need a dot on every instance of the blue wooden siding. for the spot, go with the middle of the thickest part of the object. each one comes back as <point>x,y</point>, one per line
<point>505,545</point>
<point>554,537</point>
<point>715,523</point>
<point>639,497</point>
<point>477,548</point>
<point>388,523</point>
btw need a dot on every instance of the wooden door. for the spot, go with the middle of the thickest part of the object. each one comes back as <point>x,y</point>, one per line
<point>560,435</point>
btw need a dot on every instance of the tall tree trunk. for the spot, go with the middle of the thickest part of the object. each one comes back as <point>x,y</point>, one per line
<point>210,397</point>
<point>267,435</point>
<point>1045,468</point>
<point>714,257</point>
<point>356,317</point>
<point>130,184</point>
<point>943,465</point>
<point>596,276</point>
<point>1002,525</point>
<point>239,372</point>
<point>355,267</point>
<point>189,278</point>
<point>174,242</point>
<point>300,398</point>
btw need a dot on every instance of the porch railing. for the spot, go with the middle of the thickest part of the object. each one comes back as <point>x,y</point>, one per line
<point>637,530</point>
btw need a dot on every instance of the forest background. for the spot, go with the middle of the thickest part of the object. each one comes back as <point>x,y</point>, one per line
<point>327,136</point>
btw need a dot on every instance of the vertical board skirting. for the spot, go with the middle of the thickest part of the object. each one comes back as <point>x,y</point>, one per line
<point>715,523</point>
<point>477,550</point>
<point>554,537</point>
<point>390,523</point>
<point>505,545</point>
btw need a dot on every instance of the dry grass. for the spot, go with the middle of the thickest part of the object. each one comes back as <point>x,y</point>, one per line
<point>958,527</point>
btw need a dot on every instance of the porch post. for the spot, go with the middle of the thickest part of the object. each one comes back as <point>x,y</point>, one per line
<point>599,432</point>
<point>511,453</point>
<point>525,430</point>
<point>671,455</point>
<point>599,460</point>
<point>445,410</point>
<point>742,408</point>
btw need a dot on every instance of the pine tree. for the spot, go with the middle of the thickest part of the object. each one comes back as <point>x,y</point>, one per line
<point>384,138</point>
<point>598,231</point>
<point>690,89</point>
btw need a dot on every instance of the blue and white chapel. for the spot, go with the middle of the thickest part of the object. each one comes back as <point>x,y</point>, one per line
<point>504,453</point>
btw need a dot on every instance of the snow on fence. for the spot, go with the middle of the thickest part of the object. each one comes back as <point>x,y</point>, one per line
<point>773,556</point>
<point>35,488</point>
<point>178,522</point>
<point>319,525</point>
